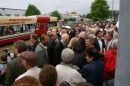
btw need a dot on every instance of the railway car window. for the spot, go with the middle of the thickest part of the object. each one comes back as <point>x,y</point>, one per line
<point>52,24</point>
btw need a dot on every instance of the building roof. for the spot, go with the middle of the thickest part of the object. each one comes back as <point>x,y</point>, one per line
<point>12,9</point>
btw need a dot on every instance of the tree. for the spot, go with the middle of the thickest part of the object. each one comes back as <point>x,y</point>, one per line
<point>1,14</point>
<point>72,19</point>
<point>66,20</point>
<point>99,10</point>
<point>89,16</point>
<point>32,10</point>
<point>81,20</point>
<point>56,14</point>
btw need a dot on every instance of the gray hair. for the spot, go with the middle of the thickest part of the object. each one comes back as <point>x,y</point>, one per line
<point>67,56</point>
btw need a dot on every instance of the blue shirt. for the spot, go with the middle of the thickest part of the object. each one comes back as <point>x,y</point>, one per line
<point>2,66</point>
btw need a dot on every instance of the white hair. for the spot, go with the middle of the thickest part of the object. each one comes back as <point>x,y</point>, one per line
<point>67,55</point>
<point>82,34</point>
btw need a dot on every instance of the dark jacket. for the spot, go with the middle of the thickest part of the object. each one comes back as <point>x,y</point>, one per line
<point>42,56</point>
<point>33,47</point>
<point>79,60</point>
<point>14,69</point>
<point>96,44</point>
<point>57,53</point>
<point>93,72</point>
<point>50,50</point>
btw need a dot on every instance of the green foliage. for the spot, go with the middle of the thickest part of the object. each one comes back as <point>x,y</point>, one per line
<point>72,19</point>
<point>99,10</point>
<point>66,20</point>
<point>56,14</point>
<point>32,10</point>
<point>89,16</point>
<point>81,20</point>
<point>1,14</point>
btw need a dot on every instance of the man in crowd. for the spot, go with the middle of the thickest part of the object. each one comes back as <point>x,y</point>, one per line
<point>99,43</point>
<point>29,59</point>
<point>109,38</point>
<point>51,46</point>
<point>41,51</point>
<point>83,35</point>
<point>34,42</point>
<point>59,47</point>
<point>15,67</point>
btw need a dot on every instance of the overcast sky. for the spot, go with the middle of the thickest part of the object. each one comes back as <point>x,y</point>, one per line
<point>63,6</point>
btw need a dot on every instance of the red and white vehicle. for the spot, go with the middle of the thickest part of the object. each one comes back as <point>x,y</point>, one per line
<point>20,28</point>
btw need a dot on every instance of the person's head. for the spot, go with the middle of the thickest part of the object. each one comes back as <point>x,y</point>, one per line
<point>65,38</point>
<point>33,38</point>
<point>4,58</point>
<point>53,36</point>
<point>88,42</point>
<point>82,41</point>
<point>54,30</point>
<point>27,81</point>
<point>19,47</point>
<point>67,56</point>
<point>80,25</point>
<point>78,47</point>
<point>115,28</point>
<point>72,41</point>
<point>84,84</point>
<point>29,59</point>
<point>83,35</point>
<point>64,31</point>
<point>44,39</point>
<point>99,34</point>
<point>49,32</point>
<point>107,26</point>
<point>92,54</point>
<point>109,36</point>
<point>48,76</point>
<point>112,25</point>
<point>5,51</point>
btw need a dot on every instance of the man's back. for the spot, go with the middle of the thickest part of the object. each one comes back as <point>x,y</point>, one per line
<point>57,53</point>
<point>42,56</point>
<point>14,69</point>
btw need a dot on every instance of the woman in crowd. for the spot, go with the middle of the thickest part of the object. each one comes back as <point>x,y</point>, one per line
<point>79,53</point>
<point>93,71</point>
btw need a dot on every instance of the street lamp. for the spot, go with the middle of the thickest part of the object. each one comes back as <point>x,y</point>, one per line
<point>4,11</point>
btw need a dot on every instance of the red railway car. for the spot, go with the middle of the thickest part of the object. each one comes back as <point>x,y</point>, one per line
<point>20,28</point>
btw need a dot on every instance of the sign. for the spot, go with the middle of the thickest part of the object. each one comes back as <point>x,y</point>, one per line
<point>7,21</point>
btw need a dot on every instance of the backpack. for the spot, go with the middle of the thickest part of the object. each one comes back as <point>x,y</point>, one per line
<point>110,64</point>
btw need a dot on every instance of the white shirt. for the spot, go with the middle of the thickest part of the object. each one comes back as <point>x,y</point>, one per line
<point>66,73</point>
<point>34,72</point>
<point>100,43</point>
<point>43,46</point>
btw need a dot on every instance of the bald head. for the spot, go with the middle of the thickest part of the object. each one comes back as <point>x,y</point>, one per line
<point>83,35</point>
<point>65,38</point>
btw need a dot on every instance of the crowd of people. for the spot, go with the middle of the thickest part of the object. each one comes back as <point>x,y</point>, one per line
<point>83,55</point>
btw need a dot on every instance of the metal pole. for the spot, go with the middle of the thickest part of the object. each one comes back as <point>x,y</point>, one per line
<point>112,7</point>
<point>122,75</point>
